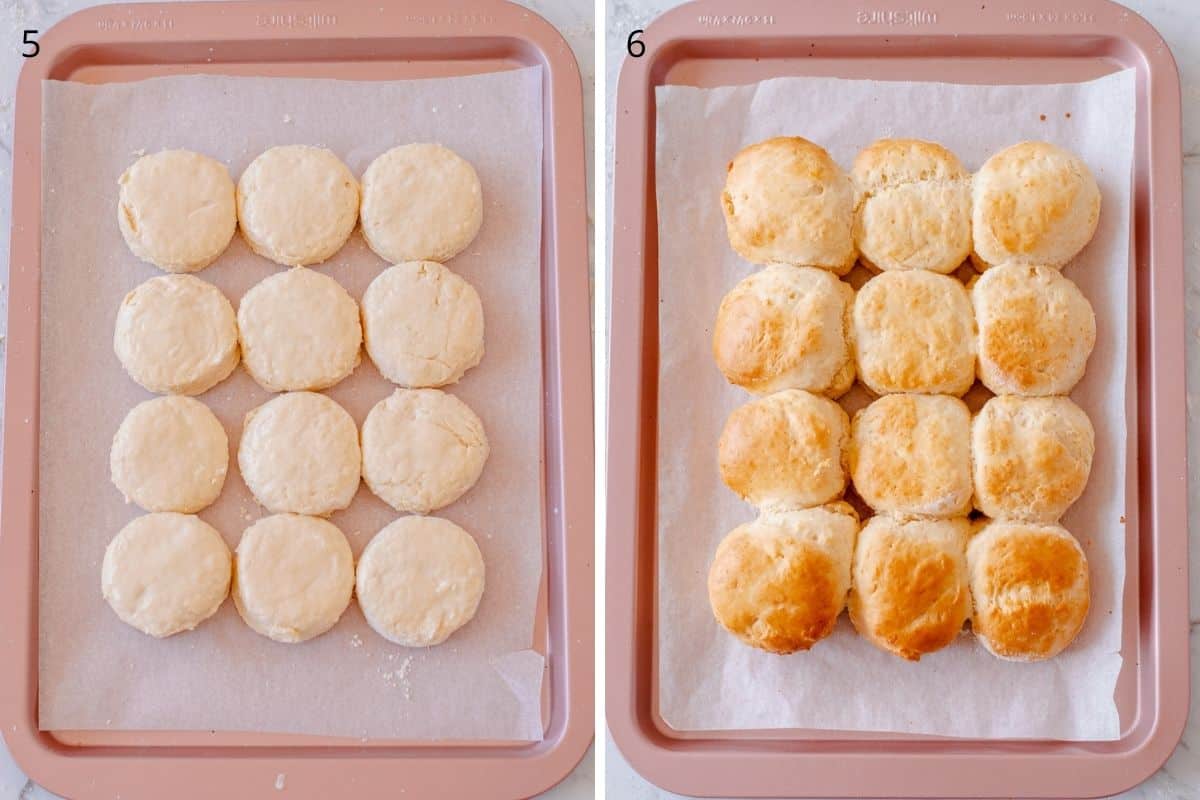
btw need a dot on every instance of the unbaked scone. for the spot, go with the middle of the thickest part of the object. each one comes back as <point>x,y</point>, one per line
<point>1032,457</point>
<point>176,334</point>
<point>910,455</point>
<point>914,331</point>
<point>1029,587</point>
<point>293,577</point>
<point>1036,330</point>
<point>422,324</point>
<point>909,593</point>
<point>165,573</point>
<point>177,210</point>
<point>422,449</point>
<point>299,330</point>
<point>299,453</point>
<point>786,327</point>
<point>420,202</point>
<point>297,205</point>
<point>786,201</point>
<point>785,450</point>
<point>779,583</point>
<point>170,454</point>
<point>419,580</point>
<point>1033,203</point>
<point>912,207</point>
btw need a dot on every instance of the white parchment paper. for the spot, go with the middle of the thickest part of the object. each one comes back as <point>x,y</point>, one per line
<point>707,679</point>
<point>95,672</point>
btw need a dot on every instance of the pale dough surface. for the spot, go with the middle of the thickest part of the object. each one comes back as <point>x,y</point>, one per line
<point>422,449</point>
<point>423,324</point>
<point>170,454</point>
<point>294,577</point>
<point>299,330</point>
<point>177,210</point>
<point>165,573</point>
<point>299,453</point>
<point>419,580</point>
<point>176,334</point>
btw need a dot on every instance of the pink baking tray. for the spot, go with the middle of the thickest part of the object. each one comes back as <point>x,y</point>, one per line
<point>353,40</point>
<point>718,42</point>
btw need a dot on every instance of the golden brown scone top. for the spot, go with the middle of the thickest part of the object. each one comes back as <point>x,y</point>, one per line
<point>894,162</point>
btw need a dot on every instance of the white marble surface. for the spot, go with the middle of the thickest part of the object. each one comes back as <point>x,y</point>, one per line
<point>1179,23</point>
<point>573,18</point>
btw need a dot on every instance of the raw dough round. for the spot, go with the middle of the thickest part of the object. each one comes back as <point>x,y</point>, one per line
<point>294,577</point>
<point>422,449</point>
<point>419,580</point>
<point>299,453</point>
<point>299,330</point>
<point>423,324</point>
<point>297,205</point>
<point>170,454</point>
<point>176,334</point>
<point>177,210</point>
<point>165,573</point>
<point>420,201</point>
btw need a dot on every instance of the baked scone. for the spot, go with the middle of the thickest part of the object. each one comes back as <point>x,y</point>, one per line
<point>785,450</point>
<point>1032,457</point>
<point>910,455</point>
<point>914,331</point>
<point>786,201</point>
<point>786,327</point>
<point>908,592</point>
<point>1029,587</point>
<point>1033,203</point>
<point>779,583</point>
<point>1036,330</point>
<point>912,207</point>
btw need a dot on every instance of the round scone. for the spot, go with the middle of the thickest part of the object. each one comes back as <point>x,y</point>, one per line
<point>785,450</point>
<point>786,327</point>
<point>786,201</point>
<point>1032,457</point>
<point>1036,330</point>
<point>1033,203</point>
<point>908,592</point>
<point>423,324</point>
<point>914,331</point>
<point>177,209</point>
<point>299,330</point>
<point>299,453</point>
<point>176,334</point>
<point>422,449</point>
<point>779,583</point>
<point>420,202</point>
<point>1029,588</point>
<point>293,577</point>
<point>165,573</point>
<point>170,454</point>
<point>297,205</point>
<point>910,455</point>
<point>912,207</point>
<point>419,580</point>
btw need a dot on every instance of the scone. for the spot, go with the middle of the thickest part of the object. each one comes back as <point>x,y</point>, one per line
<point>1029,587</point>
<point>1032,457</point>
<point>912,206</point>
<point>910,455</point>
<point>1036,330</point>
<point>1033,203</point>
<point>786,201</point>
<point>908,592</point>
<point>914,331</point>
<point>785,450</point>
<point>779,583</point>
<point>786,327</point>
